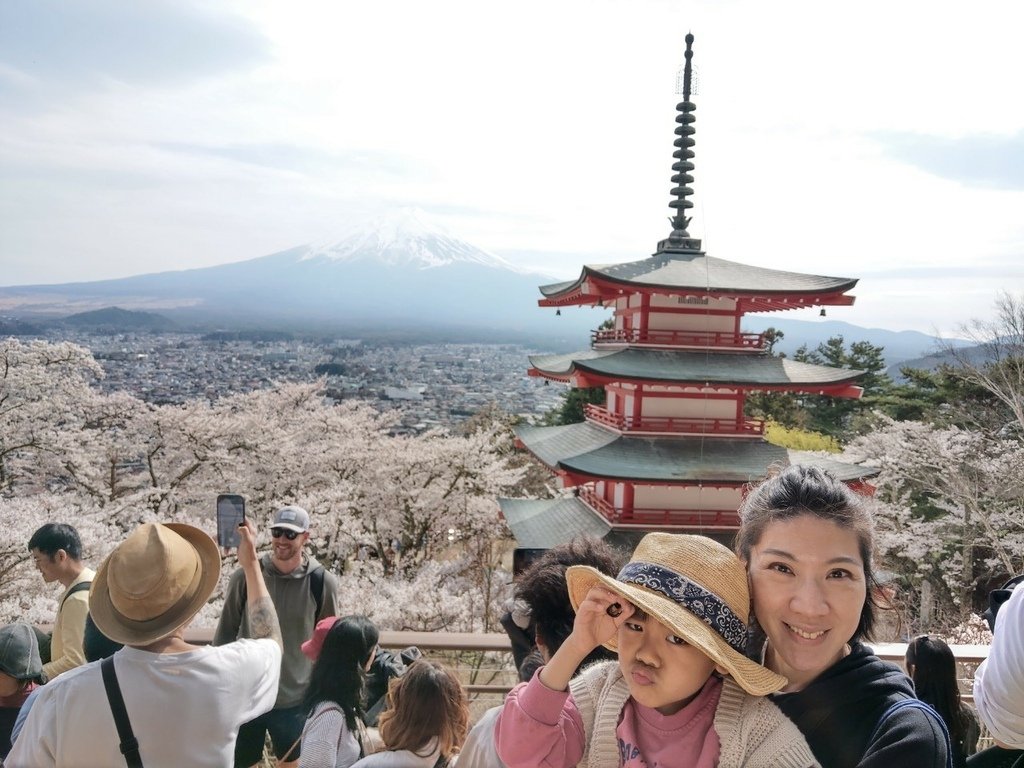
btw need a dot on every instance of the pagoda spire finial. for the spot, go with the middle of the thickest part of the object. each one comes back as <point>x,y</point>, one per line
<point>680,239</point>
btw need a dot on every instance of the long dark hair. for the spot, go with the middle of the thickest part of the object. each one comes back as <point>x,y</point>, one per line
<point>932,667</point>
<point>339,671</point>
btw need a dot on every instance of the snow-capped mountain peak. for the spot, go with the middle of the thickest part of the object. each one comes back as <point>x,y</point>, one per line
<point>405,237</point>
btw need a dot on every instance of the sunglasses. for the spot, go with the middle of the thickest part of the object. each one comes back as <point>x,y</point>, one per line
<point>279,532</point>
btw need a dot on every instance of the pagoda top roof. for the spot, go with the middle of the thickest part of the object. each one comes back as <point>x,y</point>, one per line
<point>693,272</point>
<point>546,523</point>
<point>589,450</point>
<point>691,367</point>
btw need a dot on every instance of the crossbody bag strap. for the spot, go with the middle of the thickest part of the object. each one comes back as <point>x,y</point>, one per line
<point>129,744</point>
<point>305,728</point>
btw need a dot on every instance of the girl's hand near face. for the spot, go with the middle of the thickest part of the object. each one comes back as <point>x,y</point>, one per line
<point>593,626</point>
<point>598,618</point>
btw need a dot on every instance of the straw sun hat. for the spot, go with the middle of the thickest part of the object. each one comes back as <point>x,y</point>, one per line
<point>695,587</point>
<point>153,582</point>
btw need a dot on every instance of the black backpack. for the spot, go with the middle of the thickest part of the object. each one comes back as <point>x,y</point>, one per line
<point>386,665</point>
<point>996,598</point>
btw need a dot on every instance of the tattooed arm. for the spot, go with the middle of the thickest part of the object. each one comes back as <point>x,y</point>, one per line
<point>262,614</point>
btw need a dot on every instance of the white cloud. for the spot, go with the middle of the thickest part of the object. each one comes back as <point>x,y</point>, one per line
<point>535,128</point>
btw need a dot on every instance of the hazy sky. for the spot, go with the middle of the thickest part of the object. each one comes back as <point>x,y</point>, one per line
<point>880,140</point>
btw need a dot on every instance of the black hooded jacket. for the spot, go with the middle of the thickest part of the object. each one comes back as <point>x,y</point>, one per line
<point>839,710</point>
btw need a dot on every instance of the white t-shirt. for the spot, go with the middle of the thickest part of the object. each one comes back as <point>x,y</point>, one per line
<point>185,708</point>
<point>401,758</point>
<point>479,751</point>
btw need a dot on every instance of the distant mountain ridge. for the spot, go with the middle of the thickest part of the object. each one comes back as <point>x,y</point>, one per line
<point>399,276</point>
<point>899,346</point>
<point>117,319</point>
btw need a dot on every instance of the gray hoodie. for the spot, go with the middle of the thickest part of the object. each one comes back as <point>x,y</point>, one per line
<point>296,609</point>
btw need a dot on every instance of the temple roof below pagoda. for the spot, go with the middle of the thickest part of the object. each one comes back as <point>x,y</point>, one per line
<point>678,366</point>
<point>591,451</point>
<point>543,524</point>
<point>696,271</point>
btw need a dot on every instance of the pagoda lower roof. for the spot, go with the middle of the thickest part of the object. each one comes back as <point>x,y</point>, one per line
<point>689,367</point>
<point>546,523</point>
<point>694,272</point>
<point>589,452</point>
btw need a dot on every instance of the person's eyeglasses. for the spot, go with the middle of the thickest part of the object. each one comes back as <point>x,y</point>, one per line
<point>279,532</point>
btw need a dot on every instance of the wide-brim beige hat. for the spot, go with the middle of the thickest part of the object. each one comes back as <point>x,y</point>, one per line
<point>697,588</point>
<point>153,582</point>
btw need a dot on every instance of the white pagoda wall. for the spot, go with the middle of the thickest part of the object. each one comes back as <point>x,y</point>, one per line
<point>687,408</point>
<point>668,497</point>
<point>696,319</point>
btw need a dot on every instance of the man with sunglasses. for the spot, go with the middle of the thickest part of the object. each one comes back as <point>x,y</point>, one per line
<point>303,592</point>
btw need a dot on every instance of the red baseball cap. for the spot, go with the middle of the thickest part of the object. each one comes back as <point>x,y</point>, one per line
<point>315,644</point>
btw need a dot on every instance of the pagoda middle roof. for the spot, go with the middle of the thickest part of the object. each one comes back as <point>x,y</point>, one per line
<point>696,271</point>
<point>678,366</point>
<point>591,450</point>
<point>546,523</point>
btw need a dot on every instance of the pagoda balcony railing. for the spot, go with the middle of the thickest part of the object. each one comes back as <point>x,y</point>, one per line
<point>695,339</point>
<point>690,519</point>
<point>674,425</point>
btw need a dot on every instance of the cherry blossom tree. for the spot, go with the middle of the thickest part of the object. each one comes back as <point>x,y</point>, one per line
<point>43,388</point>
<point>951,506</point>
<point>423,505</point>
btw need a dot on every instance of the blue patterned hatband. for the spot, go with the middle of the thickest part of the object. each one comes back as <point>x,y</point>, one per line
<point>705,605</point>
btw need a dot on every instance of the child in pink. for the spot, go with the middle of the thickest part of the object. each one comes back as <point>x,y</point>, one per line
<point>681,694</point>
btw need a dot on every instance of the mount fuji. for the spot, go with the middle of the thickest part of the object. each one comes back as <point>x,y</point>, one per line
<point>397,274</point>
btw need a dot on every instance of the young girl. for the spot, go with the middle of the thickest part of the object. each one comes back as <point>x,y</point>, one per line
<point>677,615</point>
<point>341,650</point>
<point>426,719</point>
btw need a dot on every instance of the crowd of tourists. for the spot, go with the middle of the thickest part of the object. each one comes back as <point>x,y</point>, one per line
<point>686,654</point>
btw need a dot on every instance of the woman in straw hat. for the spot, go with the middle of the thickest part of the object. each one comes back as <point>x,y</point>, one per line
<point>681,694</point>
<point>184,702</point>
<point>807,541</point>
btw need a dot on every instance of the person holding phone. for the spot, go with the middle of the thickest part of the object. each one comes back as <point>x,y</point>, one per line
<point>303,593</point>
<point>182,702</point>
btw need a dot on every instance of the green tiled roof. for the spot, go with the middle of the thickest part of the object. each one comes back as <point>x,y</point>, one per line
<point>588,449</point>
<point>697,367</point>
<point>547,523</point>
<point>700,272</point>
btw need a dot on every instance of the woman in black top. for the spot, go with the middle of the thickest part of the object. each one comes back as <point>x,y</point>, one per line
<point>807,541</point>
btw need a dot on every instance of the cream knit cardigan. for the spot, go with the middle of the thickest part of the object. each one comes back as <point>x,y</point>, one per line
<point>753,731</point>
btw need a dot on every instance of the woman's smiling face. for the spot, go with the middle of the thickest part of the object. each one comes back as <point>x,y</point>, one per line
<point>809,588</point>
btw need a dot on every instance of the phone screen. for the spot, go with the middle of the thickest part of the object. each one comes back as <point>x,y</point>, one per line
<point>230,514</point>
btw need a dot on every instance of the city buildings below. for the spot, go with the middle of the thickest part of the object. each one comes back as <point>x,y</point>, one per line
<point>430,385</point>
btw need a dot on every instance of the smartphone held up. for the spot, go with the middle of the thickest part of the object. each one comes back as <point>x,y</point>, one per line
<point>230,515</point>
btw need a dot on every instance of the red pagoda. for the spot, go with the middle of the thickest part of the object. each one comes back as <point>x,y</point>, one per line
<point>671,449</point>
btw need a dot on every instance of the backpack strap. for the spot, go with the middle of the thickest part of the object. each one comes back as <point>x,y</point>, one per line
<point>316,588</point>
<point>902,704</point>
<point>129,744</point>
<point>81,586</point>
